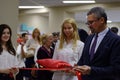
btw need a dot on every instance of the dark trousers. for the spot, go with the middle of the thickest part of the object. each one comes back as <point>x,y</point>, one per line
<point>5,77</point>
<point>20,75</point>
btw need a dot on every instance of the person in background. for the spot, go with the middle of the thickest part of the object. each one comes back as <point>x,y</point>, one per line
<point>82,34</point>
<point>30,49</point>
<point>55,39</point>
<point>24,37</point>
<point>8,59</point>
<point>68,48</point>
<point>101,62</point>
<point>45,52</point>
<point>114,29</point>
<point>21,57</point>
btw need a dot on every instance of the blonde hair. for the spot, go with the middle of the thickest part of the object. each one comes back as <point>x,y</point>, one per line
<point>75,35</point>
<point>44,38</point>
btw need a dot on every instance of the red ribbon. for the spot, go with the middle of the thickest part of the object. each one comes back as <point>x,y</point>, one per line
<point>57,69</point>
<point>78,74</point>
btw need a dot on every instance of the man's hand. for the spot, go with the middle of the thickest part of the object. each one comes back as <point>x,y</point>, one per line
<point>85,70</point>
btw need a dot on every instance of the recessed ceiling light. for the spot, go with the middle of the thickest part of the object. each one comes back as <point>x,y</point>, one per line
<point>109,21</point>
<point>79,1</point>
<point>28,7</point>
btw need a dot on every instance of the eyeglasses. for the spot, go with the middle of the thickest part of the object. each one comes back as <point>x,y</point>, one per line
<point>90,22</point>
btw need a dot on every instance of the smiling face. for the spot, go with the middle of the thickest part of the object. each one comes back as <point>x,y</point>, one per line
<point>5,35</point>
<point>68,30</point>
<point>36,33</point>
<point>49,40</point>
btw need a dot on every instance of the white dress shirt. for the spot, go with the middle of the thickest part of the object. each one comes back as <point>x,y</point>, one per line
<point>100,38</point>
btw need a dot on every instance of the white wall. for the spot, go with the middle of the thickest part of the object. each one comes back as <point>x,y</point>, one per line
<point>56,17</point>
<point>42,22</point>
<point>51,23</point>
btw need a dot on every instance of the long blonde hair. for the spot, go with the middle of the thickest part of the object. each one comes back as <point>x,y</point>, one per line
<point>75,35</point>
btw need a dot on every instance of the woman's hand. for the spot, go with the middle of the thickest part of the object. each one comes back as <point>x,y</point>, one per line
<point>6,71</point>
<point>14,70</point>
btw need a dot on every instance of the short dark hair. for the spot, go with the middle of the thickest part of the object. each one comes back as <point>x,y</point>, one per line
<point>55,33</point>
<point>114,29</point>
<point>99,12</point>
<point>23,34</point>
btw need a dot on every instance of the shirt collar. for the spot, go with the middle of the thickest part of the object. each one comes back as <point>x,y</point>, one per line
<point>103,32</point>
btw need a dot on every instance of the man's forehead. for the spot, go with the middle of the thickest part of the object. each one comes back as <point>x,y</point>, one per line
<point>91,17</point>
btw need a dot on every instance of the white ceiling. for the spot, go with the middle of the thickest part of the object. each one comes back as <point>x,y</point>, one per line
<point>53,3</point>
<point>113,14</point>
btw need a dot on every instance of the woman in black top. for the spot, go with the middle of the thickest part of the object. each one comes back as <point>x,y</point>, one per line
<point>44,52</point>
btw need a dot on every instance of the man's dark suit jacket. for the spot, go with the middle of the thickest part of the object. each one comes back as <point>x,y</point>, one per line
<point>106,62</point>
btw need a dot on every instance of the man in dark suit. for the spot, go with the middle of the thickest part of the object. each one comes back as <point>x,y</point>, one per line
<point>82,34</point>
<point>104,64</point>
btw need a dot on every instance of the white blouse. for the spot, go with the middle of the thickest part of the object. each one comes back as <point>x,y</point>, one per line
<point>7,60</point>
<point>68,54</point>
<point>31,44</point>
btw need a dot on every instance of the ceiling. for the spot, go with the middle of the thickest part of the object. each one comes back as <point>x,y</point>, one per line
<point>113,14</point>
<point>54,3</point>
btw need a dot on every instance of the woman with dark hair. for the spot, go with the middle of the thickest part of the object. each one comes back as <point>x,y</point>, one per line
<point>8,59</point>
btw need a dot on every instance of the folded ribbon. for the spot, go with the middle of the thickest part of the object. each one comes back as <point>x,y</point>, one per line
<point>51,63</point>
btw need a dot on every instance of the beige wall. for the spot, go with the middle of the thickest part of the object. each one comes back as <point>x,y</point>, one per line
<point>47,24</point>
<point>9,15</point>
<point>35,20</point>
